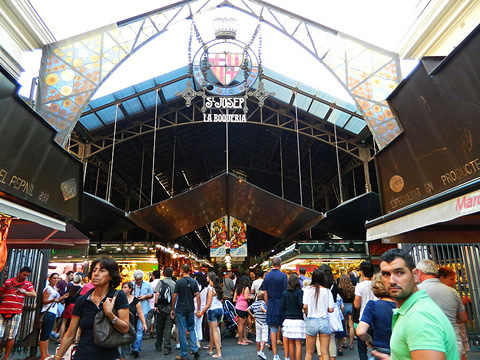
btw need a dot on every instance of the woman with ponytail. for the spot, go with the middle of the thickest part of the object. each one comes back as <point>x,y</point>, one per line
<point>214,310</point>
<point>317,303</point>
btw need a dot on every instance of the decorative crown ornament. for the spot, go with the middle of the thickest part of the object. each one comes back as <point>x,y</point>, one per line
<point>225,28</point>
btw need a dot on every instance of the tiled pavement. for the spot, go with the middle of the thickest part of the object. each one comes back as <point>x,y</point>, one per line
<point>232,351</point>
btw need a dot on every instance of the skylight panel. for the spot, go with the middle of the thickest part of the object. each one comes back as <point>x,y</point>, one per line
<point>91,122</point>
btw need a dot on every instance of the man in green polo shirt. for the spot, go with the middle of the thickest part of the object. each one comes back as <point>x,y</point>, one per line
<point>420,329</point>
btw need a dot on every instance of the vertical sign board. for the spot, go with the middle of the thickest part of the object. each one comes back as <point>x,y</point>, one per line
<point>238,238</point>
<point>218,237</point>
<point>228,233</point>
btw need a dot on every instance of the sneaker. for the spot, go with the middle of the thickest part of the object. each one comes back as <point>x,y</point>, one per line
<point>276,357</point>
<point>135,353</point>
<point>262,355</point>
<point>196,355</point>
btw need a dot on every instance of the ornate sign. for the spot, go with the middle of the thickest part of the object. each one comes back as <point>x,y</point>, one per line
<point>226,68</point>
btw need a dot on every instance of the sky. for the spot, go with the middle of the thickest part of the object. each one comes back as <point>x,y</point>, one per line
<point>379,22</point>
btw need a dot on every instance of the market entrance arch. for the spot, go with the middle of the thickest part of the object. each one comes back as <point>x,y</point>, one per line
<point>73,69</point>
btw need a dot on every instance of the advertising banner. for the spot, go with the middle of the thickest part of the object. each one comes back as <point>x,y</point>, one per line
<point>228,233</point>
<point>218,237</point>
<point>238,238</point>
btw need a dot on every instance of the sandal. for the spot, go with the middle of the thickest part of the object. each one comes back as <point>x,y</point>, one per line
<point>217,356</point>
<point>344,346</point>
<point>351,347</point>
<point>340,352</point>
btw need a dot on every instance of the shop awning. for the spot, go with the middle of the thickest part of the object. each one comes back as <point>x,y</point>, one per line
<point>444,218</point>
<point>348,219</point>
<point>18,211</point>
<point>25,234</point>
<point>226,195</point>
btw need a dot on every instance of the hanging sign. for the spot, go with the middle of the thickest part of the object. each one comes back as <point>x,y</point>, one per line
<point>228,233</point>
<point>218,237</point>
<point>238,238</point>
<point>224,103</point>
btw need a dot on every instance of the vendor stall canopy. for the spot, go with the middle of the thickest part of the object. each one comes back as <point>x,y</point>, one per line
<point>143,146</point>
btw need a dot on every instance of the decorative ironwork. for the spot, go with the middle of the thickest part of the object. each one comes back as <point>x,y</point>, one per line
<point>73,69</point>
<point>261,94</point>
<point>189,94</point>
<point>225,66</point>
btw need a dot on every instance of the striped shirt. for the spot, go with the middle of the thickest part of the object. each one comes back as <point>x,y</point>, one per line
<point>260,316</point>
<point>12,300</point>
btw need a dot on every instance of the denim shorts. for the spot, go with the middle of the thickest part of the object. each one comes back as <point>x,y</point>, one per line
<point>215,315</point>
<point>347,309</point>
<point>314,326</point>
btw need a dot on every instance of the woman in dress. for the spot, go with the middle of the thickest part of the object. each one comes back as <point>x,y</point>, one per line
<point>345,284</point>
<point>317,303</point>
<point>293,325</point>
<point>50,299</point>
<point>136,309</point>
<point>377,317</point>
<point>214,310</point>
<point>105,278</point>
<point>240,298</point>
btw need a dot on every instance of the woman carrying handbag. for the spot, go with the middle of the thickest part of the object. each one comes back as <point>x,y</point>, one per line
<point>105,277</point>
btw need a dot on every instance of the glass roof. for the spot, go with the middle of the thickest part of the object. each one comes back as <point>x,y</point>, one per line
<point>141,99</point>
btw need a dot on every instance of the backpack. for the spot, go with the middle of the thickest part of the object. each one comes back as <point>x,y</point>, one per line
<point>165,294</point>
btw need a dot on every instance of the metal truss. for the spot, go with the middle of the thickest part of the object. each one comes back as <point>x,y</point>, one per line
<point>73,69</point>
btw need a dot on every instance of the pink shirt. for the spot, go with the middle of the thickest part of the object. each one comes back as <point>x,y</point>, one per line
<point>242,303</point>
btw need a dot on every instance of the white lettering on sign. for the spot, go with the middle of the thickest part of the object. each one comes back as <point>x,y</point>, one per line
<point>224,102</point>
<point>224,118</point>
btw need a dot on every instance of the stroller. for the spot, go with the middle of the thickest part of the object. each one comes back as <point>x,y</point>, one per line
<point>229,322</point>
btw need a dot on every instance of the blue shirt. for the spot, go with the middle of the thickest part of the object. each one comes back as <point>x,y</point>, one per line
<point>144,289</point>
<point>274,284</point>
<point>378,314</point>
<point>301,278</point>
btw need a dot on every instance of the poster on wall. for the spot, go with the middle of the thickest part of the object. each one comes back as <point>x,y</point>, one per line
<point>238,238</point>
<point>218,237</point>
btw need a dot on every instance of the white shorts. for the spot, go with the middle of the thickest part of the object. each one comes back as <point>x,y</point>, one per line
<point>261,331</point>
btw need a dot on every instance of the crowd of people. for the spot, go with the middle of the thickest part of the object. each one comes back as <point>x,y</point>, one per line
<point>403,311</point>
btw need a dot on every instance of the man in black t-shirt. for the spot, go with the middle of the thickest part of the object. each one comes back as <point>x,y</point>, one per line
<point>186,289</point>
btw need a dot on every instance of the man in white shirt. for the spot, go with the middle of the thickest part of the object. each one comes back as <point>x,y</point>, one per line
<point>363,293</point>
<point>150,316</point>
<point>257,283</point>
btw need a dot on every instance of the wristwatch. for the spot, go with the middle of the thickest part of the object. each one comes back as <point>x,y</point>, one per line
<point>114,320</point>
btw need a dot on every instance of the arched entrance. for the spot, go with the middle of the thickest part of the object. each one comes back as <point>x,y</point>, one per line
<point>73,69</point>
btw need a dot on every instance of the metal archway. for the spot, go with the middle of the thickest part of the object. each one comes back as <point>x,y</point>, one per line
<point>73,69</point>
